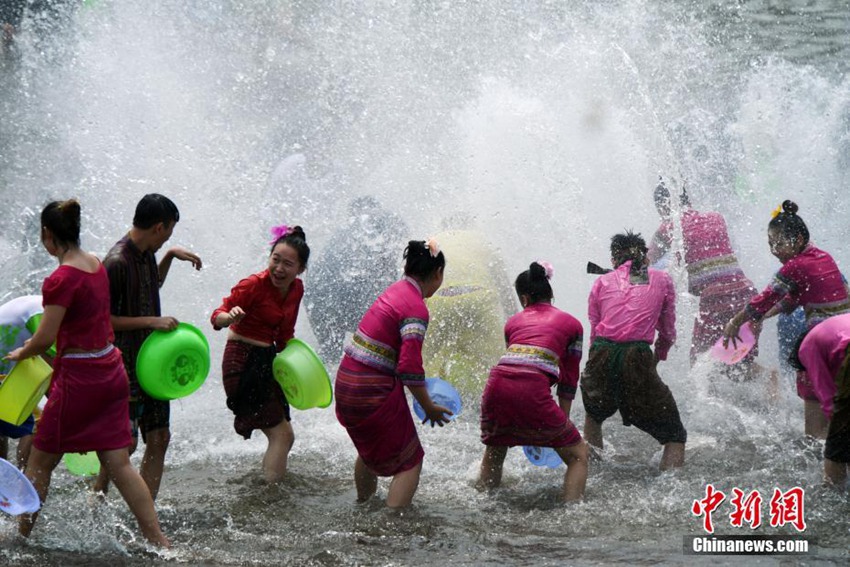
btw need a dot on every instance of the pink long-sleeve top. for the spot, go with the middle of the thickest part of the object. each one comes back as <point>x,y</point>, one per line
<point>811,279</point>
<point>548,339</point>
<point>822,353</point>
<point>391,333</point>
<point>269,317</point>
<point>708,251</point>
<point>622,311</point>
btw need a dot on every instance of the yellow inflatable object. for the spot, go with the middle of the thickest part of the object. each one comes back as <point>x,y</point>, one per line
<point>467,314</point>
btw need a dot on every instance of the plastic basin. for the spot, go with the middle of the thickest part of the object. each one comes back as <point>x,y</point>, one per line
<point>17,494</point>
<point>302,376</point>
<point>442,394</point>
<point>23,388</point>
<point>173,364</point>
<point>82,464</point>
<point>734,354</point>
<point>543,456</point>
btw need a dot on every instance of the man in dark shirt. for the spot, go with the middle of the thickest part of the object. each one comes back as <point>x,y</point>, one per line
<point>134,282</point>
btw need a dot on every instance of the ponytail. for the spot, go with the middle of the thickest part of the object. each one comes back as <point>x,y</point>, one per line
<point>293,237</point>
<point>62,219</point>
<point>788,224</point>
<point>422,259</point>
<point>534,283</point>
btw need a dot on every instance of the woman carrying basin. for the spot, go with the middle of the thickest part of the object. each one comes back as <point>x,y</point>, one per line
<point>261,312</point>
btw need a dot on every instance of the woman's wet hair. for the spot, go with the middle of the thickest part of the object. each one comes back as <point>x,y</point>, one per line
<point>534,284</point>
<point>153,209</point>
<point>297,240</point>
<point>789,225</point>
<point>629,246</point>
<point>418,262</point>
<point>62,219</point>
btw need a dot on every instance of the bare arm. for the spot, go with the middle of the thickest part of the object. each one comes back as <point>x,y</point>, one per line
<point>135,323</point>
<point>181,254</point>
<point>226,319</point>
<point>433,412</point>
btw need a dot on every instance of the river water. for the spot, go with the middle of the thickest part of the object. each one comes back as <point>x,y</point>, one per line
<point>549,123</point>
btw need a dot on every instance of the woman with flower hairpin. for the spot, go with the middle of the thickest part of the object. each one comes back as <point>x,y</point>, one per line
<point>809,277</point>
<point>517,408</point>
<point>261,312</point>
<point>385,354</point>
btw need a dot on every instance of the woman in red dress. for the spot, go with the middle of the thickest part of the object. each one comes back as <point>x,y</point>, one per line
<point>87,409</point>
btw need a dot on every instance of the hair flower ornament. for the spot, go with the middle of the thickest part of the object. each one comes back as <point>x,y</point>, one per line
<point>279,232</point>
<point>776,212</point>
<point>548,268</point>
<point>433,246</point>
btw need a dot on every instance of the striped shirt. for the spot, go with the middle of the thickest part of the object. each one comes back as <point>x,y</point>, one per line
<point>134,292</point>
<point>542,336</point>
<point>390,335</point>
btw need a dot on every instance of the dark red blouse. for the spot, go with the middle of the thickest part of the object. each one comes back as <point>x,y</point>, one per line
<point>85,296</point>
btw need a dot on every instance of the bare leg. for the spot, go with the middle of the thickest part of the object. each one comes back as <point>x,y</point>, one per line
<point>773,395</point>
<point>593,432</point>
<point>281,438</point>
<point>403,487</point>
<point>101,483</point>
<point>491,467</point>
<point>673,456</point>
<point>835,473</point>
<point>23,452</point>
<point>135,493</point>
<point>816,422</point>
<point>39,470</point>
<point>153,462</point>
<point>365,480</point>
<point>575,479</point>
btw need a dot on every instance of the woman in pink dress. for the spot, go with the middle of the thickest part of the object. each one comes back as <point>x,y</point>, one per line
<point>808,277</point>
<point>385,354</point>
<point>714,276</point>
<point>87,409</point>
<point>517,408</point>
<point>261,312</point>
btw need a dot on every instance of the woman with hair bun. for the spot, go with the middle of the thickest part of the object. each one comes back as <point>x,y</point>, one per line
<point>261,312</point>
<point>517,408</point>
<point>385,354</point>
<point>89,397</point>
<point>809,277</point>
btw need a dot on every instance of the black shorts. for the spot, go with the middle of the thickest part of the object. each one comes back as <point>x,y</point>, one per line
<point>837,446</point>
<point>622,376</point>
<point>148,414</point>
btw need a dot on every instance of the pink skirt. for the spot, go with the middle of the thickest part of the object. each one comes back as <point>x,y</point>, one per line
<point>88,408</point>
<point>517,408</point>
<point>373,409</point>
